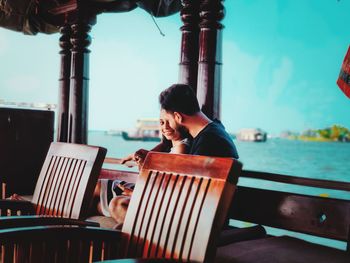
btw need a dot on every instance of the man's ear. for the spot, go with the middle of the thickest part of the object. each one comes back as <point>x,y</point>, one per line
<point>178,117</point>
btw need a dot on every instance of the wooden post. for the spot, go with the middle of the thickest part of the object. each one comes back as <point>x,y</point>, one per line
<point>210,57</point>
<point>188,66</point>
<point>348,242</point>
<point>3,190</point>
<point>64,79</point>
<point>79,99</point>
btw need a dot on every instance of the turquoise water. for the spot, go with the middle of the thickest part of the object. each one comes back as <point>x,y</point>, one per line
<point>321,160</point>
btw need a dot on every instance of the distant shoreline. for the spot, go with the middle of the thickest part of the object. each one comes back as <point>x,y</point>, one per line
<point>313,139</point>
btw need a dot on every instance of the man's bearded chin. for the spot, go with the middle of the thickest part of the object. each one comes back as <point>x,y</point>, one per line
<point>182,129</point>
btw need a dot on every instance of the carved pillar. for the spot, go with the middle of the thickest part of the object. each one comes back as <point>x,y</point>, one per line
<point>78,106</point>
<point>64,82</point>
<point>188,69</point>
<point>210,57</point>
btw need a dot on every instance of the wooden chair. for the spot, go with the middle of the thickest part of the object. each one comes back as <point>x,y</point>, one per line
<point>57,244</point>
<point>65,185</point>
<point>179,206</point>
<point>176,213</point>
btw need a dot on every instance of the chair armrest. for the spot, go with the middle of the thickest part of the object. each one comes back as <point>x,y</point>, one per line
<point>11,207</point>
<point>28,221</point>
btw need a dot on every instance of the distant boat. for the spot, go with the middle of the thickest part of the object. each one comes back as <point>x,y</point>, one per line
<point>146,130</point>
<point>114,132</point>
<point>29,105</point>
<point>252,135</point>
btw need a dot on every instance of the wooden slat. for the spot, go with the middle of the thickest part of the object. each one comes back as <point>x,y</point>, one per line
<point>67,187</point>
<point>184,232</point>
<point>56,181</point>
<point>60,189</point>
<point>44,184</point>
<point>153,202</point>
<point>145,212</point>
<point>192,246</point>
<point>180,218</point>
<point>155,224</point>
<point>171,219</point>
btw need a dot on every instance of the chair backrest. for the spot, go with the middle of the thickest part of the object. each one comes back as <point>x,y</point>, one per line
<point>58,244</point>
<point>179,206</point>
<point>67,180</point>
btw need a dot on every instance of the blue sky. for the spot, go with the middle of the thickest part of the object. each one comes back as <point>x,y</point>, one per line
<point>281,62</point>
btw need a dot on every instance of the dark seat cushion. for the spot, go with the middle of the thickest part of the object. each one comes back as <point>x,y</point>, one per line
<point>233,234</point>
<point>280,250</point>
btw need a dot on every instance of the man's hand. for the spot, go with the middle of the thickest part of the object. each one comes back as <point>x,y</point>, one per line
<point>139,157</point>
<point>126,191</point>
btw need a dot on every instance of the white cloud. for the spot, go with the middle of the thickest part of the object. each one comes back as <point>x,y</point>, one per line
<point>24,83</point>
<point>128,82</point>
<point>3,42</point>
<point>252,85</point>
<point>280,78</point>
<point>26,88</point>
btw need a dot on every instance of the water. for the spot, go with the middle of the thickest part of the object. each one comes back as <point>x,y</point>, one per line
<point>321,160</point>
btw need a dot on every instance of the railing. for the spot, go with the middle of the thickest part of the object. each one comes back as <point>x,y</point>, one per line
<point>279,178</point>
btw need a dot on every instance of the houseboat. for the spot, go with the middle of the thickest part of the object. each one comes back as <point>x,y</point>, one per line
<point>200,66</point>
<point>252,135</point>
<point>145,130</point>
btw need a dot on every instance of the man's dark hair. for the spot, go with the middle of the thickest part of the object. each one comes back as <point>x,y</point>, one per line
<point>180,98</point>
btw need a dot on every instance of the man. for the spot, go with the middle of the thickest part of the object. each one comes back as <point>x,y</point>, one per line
<point>180,110</point>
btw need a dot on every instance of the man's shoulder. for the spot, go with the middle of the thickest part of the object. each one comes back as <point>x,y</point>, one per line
<point>214,141</point>
<point>215,130</point>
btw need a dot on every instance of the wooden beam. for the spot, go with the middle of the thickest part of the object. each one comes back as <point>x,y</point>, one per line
<point>64,83</point>
<point>210,58</point>
<point>188,66</point>
<point>79,90</point>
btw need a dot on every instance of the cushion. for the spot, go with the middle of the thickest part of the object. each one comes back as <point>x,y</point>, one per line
<point>104,221</point>
<point>280,250</point>
<point>233,234</point>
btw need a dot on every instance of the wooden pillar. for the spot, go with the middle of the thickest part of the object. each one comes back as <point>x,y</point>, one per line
<point>79,97</point>
<point>188,70</point>
<point>64,82</point>
<point>210,57</point>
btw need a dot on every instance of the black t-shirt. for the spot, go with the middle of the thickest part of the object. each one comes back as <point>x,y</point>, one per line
<point>213,140</point>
